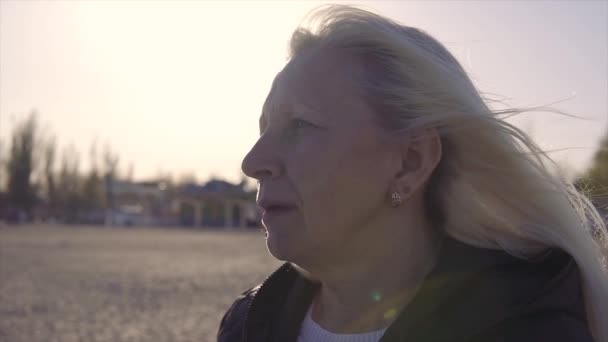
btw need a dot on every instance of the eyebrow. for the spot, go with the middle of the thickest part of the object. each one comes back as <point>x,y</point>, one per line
<point>319,116</point>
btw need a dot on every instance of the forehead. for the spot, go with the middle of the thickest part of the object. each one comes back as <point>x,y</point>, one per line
<point>318,79</point>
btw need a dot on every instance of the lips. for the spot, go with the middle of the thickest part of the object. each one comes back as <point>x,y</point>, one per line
<point>277,206</point>
<point>274,213</point>
<point>275,209</point>
<point>270,204</point>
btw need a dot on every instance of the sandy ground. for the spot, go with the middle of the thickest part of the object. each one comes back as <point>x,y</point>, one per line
<point>108,284</point>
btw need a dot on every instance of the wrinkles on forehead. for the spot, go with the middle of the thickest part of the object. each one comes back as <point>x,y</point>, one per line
<point>320,82</point>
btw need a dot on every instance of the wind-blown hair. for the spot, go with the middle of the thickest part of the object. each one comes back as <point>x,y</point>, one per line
<point>494,187</point>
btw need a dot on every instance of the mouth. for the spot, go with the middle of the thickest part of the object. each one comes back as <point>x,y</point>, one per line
<point>272,212</point>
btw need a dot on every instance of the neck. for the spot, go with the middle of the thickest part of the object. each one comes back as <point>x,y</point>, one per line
<point>378,272</point>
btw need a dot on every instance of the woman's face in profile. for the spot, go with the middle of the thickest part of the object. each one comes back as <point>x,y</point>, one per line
<point>322,166</point>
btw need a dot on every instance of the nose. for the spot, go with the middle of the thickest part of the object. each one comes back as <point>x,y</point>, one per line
<point>262,161</point>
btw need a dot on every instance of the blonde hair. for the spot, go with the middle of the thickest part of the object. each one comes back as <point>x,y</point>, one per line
<point>494,187</point>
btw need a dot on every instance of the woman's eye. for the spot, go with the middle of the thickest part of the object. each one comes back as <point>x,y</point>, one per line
<point>298,127</point>
<point>299,124</point>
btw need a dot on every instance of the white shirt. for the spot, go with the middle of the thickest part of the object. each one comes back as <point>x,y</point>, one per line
<point>310,331</point>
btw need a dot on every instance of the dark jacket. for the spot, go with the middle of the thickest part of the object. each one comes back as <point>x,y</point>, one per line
<point>471,295</point>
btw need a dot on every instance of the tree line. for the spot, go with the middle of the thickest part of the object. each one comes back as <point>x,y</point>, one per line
<point>39,180</point>
<point>594,181</point>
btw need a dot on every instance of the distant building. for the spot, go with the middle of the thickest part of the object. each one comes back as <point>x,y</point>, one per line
<point>217,204</point>
<point>141,203</point>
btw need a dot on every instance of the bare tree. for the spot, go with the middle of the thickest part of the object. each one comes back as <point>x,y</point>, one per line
<point>68,185</point>
<point>3,178</point>
<point>20,165</point>
<point>594,182</point>
<point>596,176</point>
<point>49,158</point>
<point>110,173</point>
<point>93,187</point>
<point>130,172</point>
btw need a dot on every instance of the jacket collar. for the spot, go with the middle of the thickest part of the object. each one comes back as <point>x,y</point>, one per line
<point>469,290</point>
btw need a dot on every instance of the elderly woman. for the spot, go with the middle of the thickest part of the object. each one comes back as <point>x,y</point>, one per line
<point>405,208</point>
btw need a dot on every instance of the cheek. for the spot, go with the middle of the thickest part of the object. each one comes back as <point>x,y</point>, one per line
<point>311,164</point>
<point>336,177</point>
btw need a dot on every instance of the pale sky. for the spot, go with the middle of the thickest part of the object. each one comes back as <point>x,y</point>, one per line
<point>178,86</point>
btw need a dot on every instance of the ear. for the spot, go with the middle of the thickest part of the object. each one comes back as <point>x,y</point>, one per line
<point>420,155</point>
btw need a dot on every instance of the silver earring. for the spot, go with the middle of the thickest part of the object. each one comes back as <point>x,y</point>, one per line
<point>396,199</point>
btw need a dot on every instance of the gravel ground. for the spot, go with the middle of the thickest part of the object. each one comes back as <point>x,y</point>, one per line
<point>108,284</point>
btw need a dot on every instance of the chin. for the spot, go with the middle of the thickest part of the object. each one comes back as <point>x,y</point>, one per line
<point>284,247</point>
